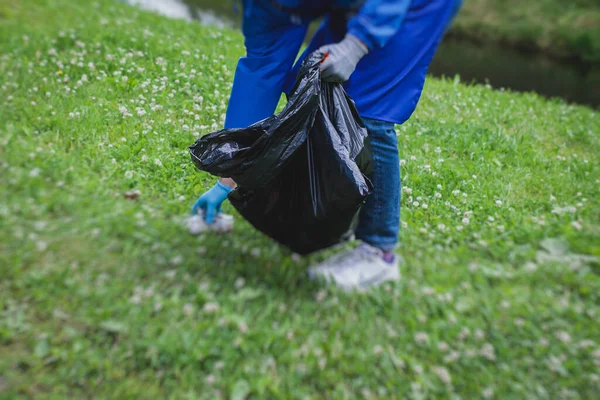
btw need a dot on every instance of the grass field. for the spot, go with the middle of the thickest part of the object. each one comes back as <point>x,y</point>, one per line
<point>105,295</point>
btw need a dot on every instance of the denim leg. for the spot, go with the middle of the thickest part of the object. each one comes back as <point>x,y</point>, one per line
<point>379,220</point>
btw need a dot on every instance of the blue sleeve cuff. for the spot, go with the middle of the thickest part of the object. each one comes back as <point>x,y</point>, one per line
<point>378,21</point>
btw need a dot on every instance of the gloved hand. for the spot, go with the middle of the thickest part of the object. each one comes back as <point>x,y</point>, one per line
<point>211,201</point>
<point>341,58</point>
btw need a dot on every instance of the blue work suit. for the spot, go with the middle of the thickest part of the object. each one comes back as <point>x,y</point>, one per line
<point>402,36</point>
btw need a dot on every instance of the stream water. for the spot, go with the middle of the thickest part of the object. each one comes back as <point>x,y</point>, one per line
<point>499,66</point>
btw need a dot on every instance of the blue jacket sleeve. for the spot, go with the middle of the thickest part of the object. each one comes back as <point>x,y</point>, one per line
<point>377,21</point>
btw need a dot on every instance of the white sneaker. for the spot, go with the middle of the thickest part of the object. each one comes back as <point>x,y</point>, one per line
<point>222,223</point>
<point>357,269</point>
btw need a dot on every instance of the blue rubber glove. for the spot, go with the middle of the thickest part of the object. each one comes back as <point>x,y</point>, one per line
<point>341,59</point>
<point>211,201</point>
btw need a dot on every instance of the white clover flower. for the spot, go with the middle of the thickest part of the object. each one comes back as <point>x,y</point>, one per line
<point>576,225</point>
<point>488,393</point>
<point>171,274</point>
<point>177,260</point>
<point>427,291</point>
<point>41,245</point>
<point>210,308</point>
<point>586,343</point>
<point>451,357</point>
<point>377,350</point>
<point>239,283</point>
<point>487,351</point>
<point>135,299</point>
<point>563,337</point>
<point>443,374</point>
<point>555,364</point>
<point>421,337</point>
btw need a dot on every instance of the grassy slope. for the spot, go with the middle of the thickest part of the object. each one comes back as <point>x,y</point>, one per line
<point>109,297</point>
<point>560,28</point>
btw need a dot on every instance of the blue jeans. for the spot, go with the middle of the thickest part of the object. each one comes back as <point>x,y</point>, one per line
<point>379,220</point>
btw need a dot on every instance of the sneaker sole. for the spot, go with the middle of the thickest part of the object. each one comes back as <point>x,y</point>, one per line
<point>393,274</point>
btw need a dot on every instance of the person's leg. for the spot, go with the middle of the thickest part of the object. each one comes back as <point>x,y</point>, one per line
<point>373,262</point>
<point>380,216</point>
<point>272,43</point>
<point>386,86</point>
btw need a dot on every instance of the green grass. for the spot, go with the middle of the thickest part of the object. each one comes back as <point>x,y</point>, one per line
<point>564,29</point>
<point>107,297</point>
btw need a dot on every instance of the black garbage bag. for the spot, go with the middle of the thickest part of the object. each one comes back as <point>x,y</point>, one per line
<point>302,174</point>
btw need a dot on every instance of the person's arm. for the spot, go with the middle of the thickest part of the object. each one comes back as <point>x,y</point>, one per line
<point>228,182</point>
<point>377,21</point>
<point>210,202</point>
<point>373,26</point>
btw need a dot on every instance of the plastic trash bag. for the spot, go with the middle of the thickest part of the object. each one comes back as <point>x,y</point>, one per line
<point>302,174</point>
